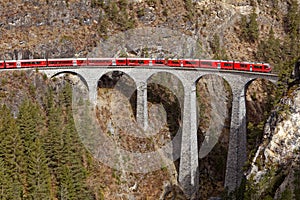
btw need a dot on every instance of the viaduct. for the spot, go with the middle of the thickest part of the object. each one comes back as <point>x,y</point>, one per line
<point>188,167</point>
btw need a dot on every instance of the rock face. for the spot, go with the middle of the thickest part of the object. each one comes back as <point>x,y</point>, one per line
<point>276,161</point>
<point>70,28</point>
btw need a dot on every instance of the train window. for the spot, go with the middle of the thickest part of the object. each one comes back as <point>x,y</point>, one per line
<point>61,62</point>
<point>141,62</point>
<point>121,61</point>
<point>31,63</point>
<point>227,64</point>
<point>206,63</point>
<point>191,62</point>
<point>266,67</point>
<point>257,66</point>
<point>243,65</point>
<point>159,61</point>
<point>175,61</point>
<point>99,61</point>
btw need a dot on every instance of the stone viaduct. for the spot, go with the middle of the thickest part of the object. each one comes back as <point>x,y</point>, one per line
<point>188,167</point>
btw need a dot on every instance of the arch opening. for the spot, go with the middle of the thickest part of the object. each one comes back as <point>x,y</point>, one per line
<point>214,105</point>
<point>260,95</point>
<point>165,95</point>
<point>82,79</point>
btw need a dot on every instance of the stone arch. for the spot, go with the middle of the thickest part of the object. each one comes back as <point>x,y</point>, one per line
<point>73,73</point>
<point>259,94</point>
<point>117,82</point>
<point>214,104</point>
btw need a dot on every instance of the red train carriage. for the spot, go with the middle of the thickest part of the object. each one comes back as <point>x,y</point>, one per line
<point>227,64</point>
<point>193,63</point>
<point>97,62</point>
<point>260,67</point>
<point>242,66</point>
<point>214,64</point>
<point>138,61</point>
<point>60,62</point>
<point>1,64</point>
<point>120,62</point>
<point>33,63</point>
<point>157,62</point>
<point>175,63</point>
<point>10,64</point>
<point>190,63</point>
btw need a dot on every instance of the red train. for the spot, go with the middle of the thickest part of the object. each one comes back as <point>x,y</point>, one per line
<point>184,63</point>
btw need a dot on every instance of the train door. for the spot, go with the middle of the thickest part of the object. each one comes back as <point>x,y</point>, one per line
<point>219,65</point>
<point>18,64</point>
<point>74,62</point>
<point>250,68</point>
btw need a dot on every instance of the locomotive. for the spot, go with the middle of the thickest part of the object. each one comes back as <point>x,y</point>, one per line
<point>136,62</point>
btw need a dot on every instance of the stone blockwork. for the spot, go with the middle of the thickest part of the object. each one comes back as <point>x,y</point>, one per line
<point>188,170</point>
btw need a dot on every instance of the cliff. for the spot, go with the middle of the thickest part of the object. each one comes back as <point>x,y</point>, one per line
<point>274,170</point>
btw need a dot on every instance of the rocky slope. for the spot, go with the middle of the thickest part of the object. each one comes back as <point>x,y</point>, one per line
<point>69,28</point>
<point>274,171</point>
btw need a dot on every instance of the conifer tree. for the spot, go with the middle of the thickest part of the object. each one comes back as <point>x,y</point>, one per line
<point>39,180</point>
<point>6,191</point>
<point>11,155</point>
<point>253,30</point>
<point>35,179</point>
<point>73,172</point>
<point>53,140</point>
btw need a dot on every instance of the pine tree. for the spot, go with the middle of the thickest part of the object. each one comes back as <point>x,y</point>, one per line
<point>39,180</point>
<point>253,31</point>
<point>72,170</point>
<point>53,137</point>
<point>30,125</point>
<point>5,182</point>
<point>270,50</point>
<point>11,155</point>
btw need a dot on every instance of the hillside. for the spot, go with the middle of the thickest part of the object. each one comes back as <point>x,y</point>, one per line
<point>238,30</point>
<point>48,160</point>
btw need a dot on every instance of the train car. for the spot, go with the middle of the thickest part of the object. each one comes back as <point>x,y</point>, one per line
<point>97,62</point>
<point>227,65</point>
<point>267,68</point>
<point>81,62</point>
<point>63,62</point>
<point>33,63</point>
<point>175,63</point>
<point>260,67</point>
<point>213,64</point>
<point>11,64</point>
<point>158,62</point>
<point>2,64</point>
<point>138,61</point>
<point>242,66</point>
<point>191,63</point>
<point>120,62</point>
